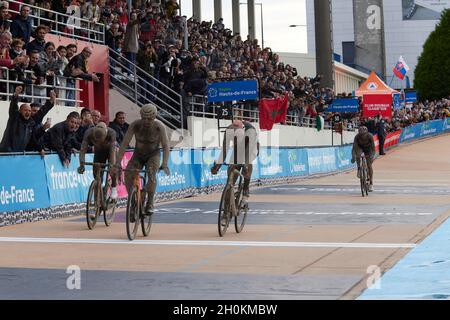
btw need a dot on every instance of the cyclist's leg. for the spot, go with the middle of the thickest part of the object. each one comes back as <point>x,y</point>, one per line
<point>370,167</point>
<point>247,173</point>
<point>152,163</point>
<point>357,156</point>
<point>132,171</point>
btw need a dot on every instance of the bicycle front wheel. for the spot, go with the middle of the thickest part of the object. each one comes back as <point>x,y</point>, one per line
<point>92,207</point>
<point>362,182</point>
<point>146,220</point>
<point>224,211</point>
<point>241,209</point>
<point>109,209</point>
<point>132,215</point>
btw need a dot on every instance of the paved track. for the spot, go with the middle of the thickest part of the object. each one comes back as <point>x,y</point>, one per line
<point>318,239</point>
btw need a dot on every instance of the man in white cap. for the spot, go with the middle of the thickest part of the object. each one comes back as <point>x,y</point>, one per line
<point>150,134</point>
<point>103,139</point>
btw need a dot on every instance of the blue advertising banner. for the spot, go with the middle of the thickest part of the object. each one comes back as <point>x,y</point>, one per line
<point>203,161</point>
<point>272,162</point>
<point>180,172</point>
<point>321,160</point>
<point>411,97</point>
<point>297,162</point>
<point>23,184</point>
<point>446,125</point>
<point>344,105</point>
<point>343,157</point>
<point>423,129</point>
<point>65,185</point>
<point>233,90</point>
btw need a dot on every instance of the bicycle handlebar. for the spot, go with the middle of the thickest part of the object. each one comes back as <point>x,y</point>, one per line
<point>103,165</point>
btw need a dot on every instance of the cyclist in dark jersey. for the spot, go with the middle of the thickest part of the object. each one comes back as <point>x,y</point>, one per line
<point>244,152</point>
<point>103,139</point>
<point>364,143</point>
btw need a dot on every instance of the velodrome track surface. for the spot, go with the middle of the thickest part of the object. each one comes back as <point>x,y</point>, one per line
<point>317,239</point>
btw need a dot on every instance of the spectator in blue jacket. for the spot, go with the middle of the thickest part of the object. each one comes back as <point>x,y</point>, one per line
<point>21,27</point>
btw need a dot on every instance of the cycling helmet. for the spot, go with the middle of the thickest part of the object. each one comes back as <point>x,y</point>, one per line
<point>149,111</point>
<point>100,131</point>
<point>363,129</point>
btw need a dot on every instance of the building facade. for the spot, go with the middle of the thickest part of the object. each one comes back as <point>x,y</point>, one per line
<point>405,25</point>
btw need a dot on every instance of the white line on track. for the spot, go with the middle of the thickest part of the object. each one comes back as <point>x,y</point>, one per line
<point>212,243</point>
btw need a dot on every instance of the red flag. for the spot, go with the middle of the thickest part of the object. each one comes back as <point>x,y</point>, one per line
<point>272,111</point>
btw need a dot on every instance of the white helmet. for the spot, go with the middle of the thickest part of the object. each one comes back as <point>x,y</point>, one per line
<point>149,111</point>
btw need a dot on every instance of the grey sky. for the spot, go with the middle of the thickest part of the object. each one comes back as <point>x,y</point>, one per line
<point>278,15</point>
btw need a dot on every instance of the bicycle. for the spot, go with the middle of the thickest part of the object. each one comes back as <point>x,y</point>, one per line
<point>229,209</point>
<point>364,176</point>
<point>136,205</point>
<point>99,198</point>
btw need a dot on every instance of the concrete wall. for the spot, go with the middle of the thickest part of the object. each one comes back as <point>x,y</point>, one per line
<point>204,133</point>
<point>57,114</point>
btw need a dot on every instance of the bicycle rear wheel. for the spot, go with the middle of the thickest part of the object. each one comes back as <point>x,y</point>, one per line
<point>132,215</point>
<point>92,206</point>
<point>146,220</point>
<point>109,210</point>
<point>241,210</point>
<point>224,211</point>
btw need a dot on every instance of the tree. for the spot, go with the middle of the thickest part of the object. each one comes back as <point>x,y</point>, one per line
<point>432,74</point>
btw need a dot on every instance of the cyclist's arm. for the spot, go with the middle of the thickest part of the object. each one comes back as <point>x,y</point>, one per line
<point>125,142</point>
<point>165,145</point>
<point>354,150</point>
<point>372,144</point>
<point>112,149</point>
<point>84,146</point>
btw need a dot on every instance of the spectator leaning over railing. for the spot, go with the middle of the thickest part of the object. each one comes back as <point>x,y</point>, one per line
<point>59,138</point>
<point>78,66</point>
<point>21,26</point>
<point>4,17</point>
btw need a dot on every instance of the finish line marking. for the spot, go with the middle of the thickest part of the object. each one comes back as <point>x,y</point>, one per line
<point>212,243</point>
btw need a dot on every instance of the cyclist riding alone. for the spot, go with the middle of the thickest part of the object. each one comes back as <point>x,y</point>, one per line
<point>150,133</point>
<point>364,143</point>
<point>244,152</point>
<point>103,139</point>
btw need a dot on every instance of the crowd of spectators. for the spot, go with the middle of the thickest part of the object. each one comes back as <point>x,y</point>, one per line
<point>39,62</point>
<point>152,34</point>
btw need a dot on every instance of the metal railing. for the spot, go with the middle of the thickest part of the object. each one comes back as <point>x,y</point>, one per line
<point>81,29</point>
<point>32,91</point>
<point>199,108</point>
<point>142,88</point>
